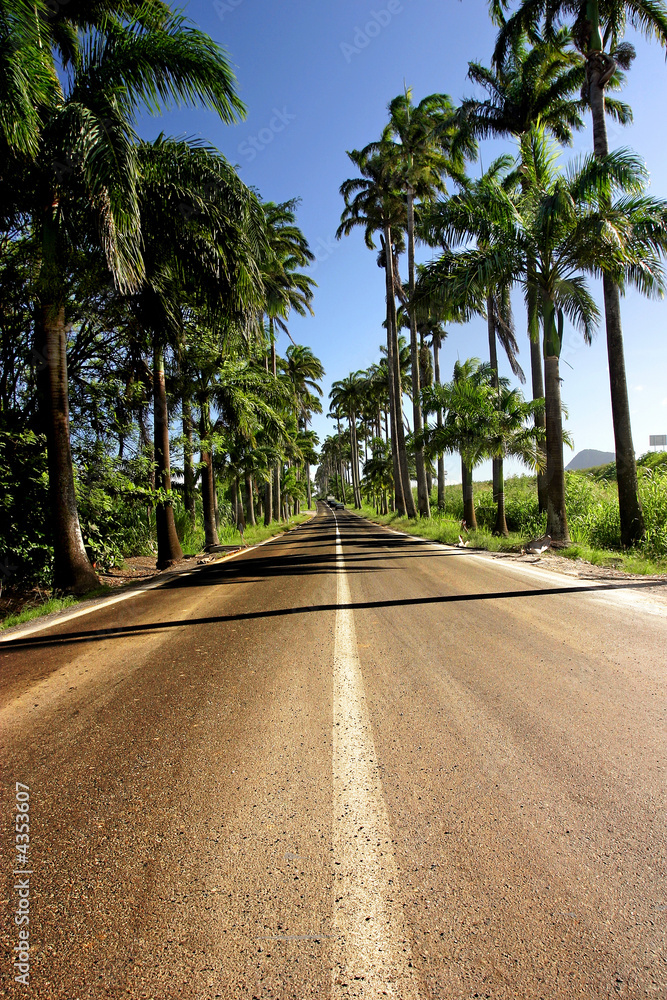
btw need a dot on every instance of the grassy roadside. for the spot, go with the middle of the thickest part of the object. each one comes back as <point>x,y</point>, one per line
<point>51,605</point>
<point>447,529</point>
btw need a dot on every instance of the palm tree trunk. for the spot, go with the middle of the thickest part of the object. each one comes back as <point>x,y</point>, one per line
<point>277,513</point>
<point>72,568</point>
<point>556,512</point>
<point>468,497</point>
<point>277,516</point>
<point>422,485</point>
<point>249,500</point>
<point>391,385</point>
<point>168,546</point>
<point>410,509</point>
<point>540,419</point>
<point>355,462</point>
<point>207,481</point>
<point>500,527</point>
<point>308,486</point>
<point>268,500</point>
<point>356,487</point>
<point>147,448</point>
<point>441,457</point>
<point>631,515</point>
<point>188,466</point>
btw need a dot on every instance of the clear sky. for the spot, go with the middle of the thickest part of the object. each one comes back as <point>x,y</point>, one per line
<point>316,76</point>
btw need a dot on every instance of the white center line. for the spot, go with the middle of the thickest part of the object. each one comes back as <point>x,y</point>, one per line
<point>372,956</point>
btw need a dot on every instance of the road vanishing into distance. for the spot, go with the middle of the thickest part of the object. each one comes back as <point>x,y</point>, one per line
<point>344,764</point>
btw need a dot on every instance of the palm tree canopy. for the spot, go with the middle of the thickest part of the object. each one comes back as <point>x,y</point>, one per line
<point>84,149</point>
<point>566,224</point>
<point>647,16</point>
<point>373,200</point>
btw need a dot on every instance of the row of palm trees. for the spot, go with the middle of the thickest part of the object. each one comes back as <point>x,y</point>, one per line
<point>477,415</point>
<point>199,275</point>
<point>523,222</point>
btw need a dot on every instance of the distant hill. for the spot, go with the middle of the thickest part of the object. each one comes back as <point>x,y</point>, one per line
<point>589,458</point>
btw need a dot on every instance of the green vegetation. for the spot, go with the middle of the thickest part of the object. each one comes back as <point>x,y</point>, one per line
<point>47,607</point>
<point>143,404</point>
<point>144,407</point>
<point>526,222</point>
<point>594,518</point>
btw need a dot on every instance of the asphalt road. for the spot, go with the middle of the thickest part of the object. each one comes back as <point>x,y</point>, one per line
<point>345,764</point>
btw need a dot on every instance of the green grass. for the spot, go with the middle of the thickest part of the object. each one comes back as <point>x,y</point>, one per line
<point>592,506</point>
<point>444,528</point>
<point>51,605</point>
<point>48,607</point>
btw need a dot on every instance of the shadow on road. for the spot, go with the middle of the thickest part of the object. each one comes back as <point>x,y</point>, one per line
<point>121,631</point>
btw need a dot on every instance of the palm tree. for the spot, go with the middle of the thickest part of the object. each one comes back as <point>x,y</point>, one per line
<point>378,475</point>
<point>500,326</point>
<point>373,202</point>
<point>598,27</point>
<point>419,147</point>
<point>250,403</point>
<point>533,85</point>
<point>304,371</point>
<point>484,419</point>
<point>562,225</point>
<point>435,307</point>
<point>347,396</point>
<point>438,335</point>
<point>83,180</point>
<point>202,231</point>
<point>286,288</point>
<point>469,407</point>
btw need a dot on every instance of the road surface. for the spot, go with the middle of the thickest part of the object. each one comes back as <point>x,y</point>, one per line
<point>344,764</point>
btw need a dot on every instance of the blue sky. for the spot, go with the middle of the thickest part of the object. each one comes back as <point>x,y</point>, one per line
<point>316,76</point>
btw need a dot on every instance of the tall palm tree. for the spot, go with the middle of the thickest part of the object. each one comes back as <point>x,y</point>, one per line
<point>287,288</point>
<point>202,231</point>
<point>347,396</point>
<point>304,371</point>
<point>598,27</point>
<point>373,202</point>
<point>420,147</point>
<point>534,84</point>
<point>83,180</point>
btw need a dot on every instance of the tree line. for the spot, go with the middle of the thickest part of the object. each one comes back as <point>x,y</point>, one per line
<point>526,222</point>
<point>143,285</point>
